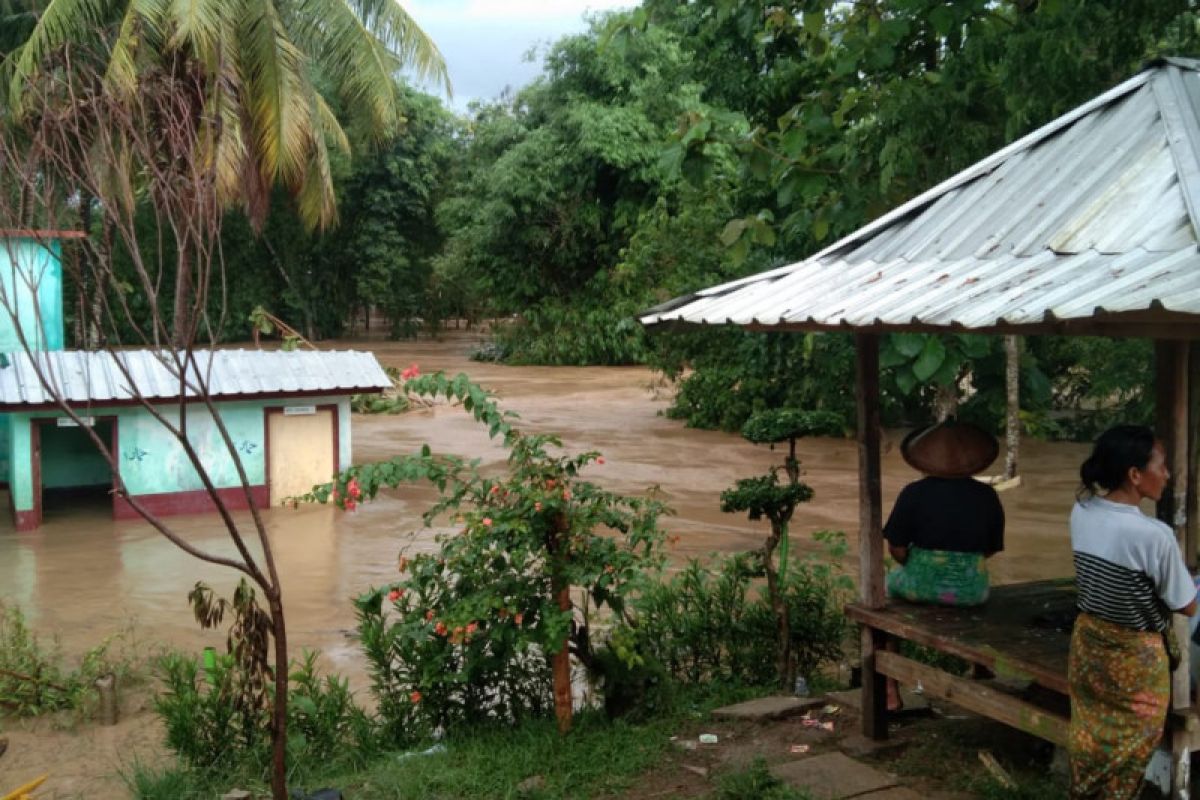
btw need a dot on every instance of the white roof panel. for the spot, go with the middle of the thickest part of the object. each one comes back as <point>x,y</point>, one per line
<point>1094,212</point>
<point>97,377</point>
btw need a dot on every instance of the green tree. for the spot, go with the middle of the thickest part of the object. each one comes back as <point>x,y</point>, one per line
<point>266,76</point>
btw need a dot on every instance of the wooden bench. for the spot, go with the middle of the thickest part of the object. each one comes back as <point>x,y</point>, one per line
<point>1022,633</point>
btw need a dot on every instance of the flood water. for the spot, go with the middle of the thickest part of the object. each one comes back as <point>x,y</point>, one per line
<point>83,576</point>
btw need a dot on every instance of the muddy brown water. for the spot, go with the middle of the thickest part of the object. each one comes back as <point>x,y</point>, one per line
<point>83,576</point>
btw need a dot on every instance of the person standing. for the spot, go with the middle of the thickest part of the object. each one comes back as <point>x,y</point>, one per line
<point>1130,576</point>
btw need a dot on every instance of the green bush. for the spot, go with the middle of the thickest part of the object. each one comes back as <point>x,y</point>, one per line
<point>715,625</point>
<point>211,732</point>
<point>34,680</point>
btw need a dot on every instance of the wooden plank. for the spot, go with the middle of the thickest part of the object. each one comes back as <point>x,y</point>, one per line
<point>874,684</point>
<point>870,499</point>
<point>1171,419</point>
<point>1049,671</point>
<point>1192,498</point>
<point>972,696</point>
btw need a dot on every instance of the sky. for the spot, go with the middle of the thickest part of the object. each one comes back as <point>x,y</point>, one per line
<point>484,42</point>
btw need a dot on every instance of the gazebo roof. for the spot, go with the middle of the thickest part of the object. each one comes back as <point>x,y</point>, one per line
<point>1087,225</point>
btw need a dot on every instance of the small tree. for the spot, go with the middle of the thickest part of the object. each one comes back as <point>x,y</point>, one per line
<point>765,496</point>
<point>477,624</point>
<point>145,149</point>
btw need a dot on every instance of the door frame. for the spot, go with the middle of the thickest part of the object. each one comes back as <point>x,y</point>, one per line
<point>35,451</point>
<point>317,408</point>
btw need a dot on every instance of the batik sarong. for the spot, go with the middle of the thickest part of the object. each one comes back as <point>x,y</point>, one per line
<point>943,577</point>
<point>1120,692</point>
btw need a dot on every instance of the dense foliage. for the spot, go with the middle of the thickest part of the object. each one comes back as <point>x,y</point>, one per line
<point>675,146</point>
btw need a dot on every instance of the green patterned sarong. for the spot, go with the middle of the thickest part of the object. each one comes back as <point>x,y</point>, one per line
<point>943,577</point>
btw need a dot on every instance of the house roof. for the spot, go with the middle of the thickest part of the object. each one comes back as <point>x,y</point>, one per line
<point>101,377</point>
<point>1087,225</point>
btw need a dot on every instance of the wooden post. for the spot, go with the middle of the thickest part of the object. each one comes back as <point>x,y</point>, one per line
<point>1012,426</point>
<point>870,531</point>
<point>1171,418</point>
<point>1192,496</point>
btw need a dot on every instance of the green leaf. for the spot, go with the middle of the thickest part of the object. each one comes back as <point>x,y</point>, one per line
<point>909,344</point>
<point>814,21</point>
<point>942,20</point>
<point>906,381</point>
<point>932,356</point>
<point>733,231</point>
<point>820,228</point>
<point>974,346</point>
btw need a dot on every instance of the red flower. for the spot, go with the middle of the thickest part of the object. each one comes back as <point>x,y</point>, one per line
<point>487,522</point>
<point>412,372</point>
<point>440,629</point>
<point>550,483</point>
<point>351,505</point>
<point>472,627</point>
<point>518,617</point>
<point>600,460</point>
<point>495,490</point>
<point>566,494</point>
<point>395,594</point>
<point>353,489</point>
<point>415,698</point>
<point>429,615</point>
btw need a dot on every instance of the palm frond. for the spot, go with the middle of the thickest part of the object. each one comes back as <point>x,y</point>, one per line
<point>62,22</point>
<point>140,30</point>
<point>272,71</point>
<point>200,25</point>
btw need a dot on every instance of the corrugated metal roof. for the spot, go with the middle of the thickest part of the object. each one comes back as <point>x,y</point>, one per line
<point>98,377</point>
<point>1093,214</point>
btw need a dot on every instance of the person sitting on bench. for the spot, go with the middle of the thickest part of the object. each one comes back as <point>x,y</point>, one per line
<point>945,526</point>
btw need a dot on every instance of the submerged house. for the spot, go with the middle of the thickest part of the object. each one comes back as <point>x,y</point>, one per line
<point>286,414</point>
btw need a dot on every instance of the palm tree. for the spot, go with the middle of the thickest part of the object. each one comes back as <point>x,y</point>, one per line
<point>271,69</point>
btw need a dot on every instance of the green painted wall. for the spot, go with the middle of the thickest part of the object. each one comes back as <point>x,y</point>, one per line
<point>152,461</point>
<point>31,281</point>
<point>31,284</point>
<point>69,458</point>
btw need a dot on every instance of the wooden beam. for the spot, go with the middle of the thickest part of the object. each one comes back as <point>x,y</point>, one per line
<point>972,696</point>
<point>870,496</point>
<point>1171,398</point>
<point>1001,663</point>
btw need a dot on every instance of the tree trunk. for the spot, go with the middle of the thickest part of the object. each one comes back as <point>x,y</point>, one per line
<point>1012,431</point>
<point>279,717</point>
<point>564,709</point>
<point>181,323</point>
<point>945,401</point>
<point>779,607</point>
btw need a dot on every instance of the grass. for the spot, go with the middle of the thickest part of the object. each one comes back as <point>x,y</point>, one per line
<point>598,759</point>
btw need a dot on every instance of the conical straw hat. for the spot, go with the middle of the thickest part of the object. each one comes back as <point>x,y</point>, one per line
<point>950,449</point>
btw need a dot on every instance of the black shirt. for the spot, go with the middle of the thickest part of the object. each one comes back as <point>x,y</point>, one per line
<point>959,514</point>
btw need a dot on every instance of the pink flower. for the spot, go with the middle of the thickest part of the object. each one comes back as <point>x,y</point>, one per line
<point>429,615</point>
<point>566,494</point>
<point>600,460</point>
<point>518,617</point>
<point>440,629</point>
<point>415,698</point>
<point>472,627</point>
<point>353,489</point>
<point>487,522</point>
<point>537,506</point>
<point>411,372</point>
<point>351,505</point>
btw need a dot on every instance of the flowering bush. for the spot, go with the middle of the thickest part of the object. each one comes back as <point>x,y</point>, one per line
<point>469,633</point>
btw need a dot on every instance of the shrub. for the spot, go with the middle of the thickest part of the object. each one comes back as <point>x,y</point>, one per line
<point>209,731</point>
<point>471,630</point>
<point>33,679</point>
<point>716,625</point>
